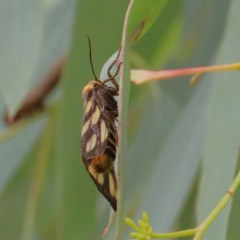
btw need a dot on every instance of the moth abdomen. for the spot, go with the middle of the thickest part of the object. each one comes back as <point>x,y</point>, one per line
<point>102,164</point>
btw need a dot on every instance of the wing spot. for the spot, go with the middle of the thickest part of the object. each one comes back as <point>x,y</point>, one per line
<point>104,131</point>
<point>91,143</point>
<point>92,171</point>
<point>96,115</point>
<point>88,106</point>
<point>111,185</point>
<point>100,179</point>
<point>85,127</point>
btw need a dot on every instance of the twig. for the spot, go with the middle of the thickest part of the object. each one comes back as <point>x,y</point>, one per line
<point>144,230</point>
<point>123,99</point>
<point>34,102</point>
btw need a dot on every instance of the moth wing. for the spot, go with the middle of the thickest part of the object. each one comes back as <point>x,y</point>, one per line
<point>99,136</point>
<point>95,134</point>
<point>98,123</point>
<point>106,184</point>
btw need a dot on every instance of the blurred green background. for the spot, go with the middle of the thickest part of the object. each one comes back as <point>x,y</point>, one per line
<point>182,142</point>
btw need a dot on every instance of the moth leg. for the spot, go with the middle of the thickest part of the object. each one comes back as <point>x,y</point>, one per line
<point>113,63</point>
<point>110,77</point>
<point>114,91</point>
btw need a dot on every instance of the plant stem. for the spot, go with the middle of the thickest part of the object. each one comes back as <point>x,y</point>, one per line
<point>122,124</point>
<point>217,210</point>
<point>9,132</point>
<point>184,233</point>
<point>140,76</point>
<point>196,232</point>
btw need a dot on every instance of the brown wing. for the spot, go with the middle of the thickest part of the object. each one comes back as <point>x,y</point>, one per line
<point>99,125</point>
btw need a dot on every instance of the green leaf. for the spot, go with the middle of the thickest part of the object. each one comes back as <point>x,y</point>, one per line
<point>13,151</point>
<point>13,199</point>
<point>187,218</point>
<point>162,39</point>
<point>30,44</point>
<point>162,123</point>
<point>40,170</point>
<point>143,15</point>
<point>222,139</point>
<point>199,42</point>
<point>19,54</point>
<point>233,230</point>
<point>56,37</point>
<point>166,182</point>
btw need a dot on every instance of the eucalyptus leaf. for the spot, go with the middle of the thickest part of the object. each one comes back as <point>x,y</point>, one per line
<point>19,53</point>
<point>176,163</point>
<point>233,230</point>
<point>223,135</point>
<point>143,15</point>
<point>14,151</point>
<point>34,35</point>
<point>16,167</point>
<point>166,128</point>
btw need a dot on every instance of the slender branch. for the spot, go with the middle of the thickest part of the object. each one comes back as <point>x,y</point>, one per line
<point>144,230</point>
<point>34,102</point>
<point>20,125</point>
<point>183,233</point>
<point>201,229</point>
<point>122,128</point>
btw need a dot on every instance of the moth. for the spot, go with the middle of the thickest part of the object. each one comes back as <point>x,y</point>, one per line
<point>99,132</point>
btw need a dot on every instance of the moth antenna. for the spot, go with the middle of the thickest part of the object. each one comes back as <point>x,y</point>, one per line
<point>90,57</point>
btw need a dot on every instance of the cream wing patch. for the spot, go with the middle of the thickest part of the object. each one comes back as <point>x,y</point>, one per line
<point>100,179</point>
<point>96,115</point>
<point>92,171</point>
<point>91,143</point>
<point>85,127</point>
<point>88,106</point>
<point>111,185</point>
<point>103,131</point>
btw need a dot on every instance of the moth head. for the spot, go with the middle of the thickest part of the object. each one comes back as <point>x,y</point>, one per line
<point>93,85</point>
<point>87,89</point>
